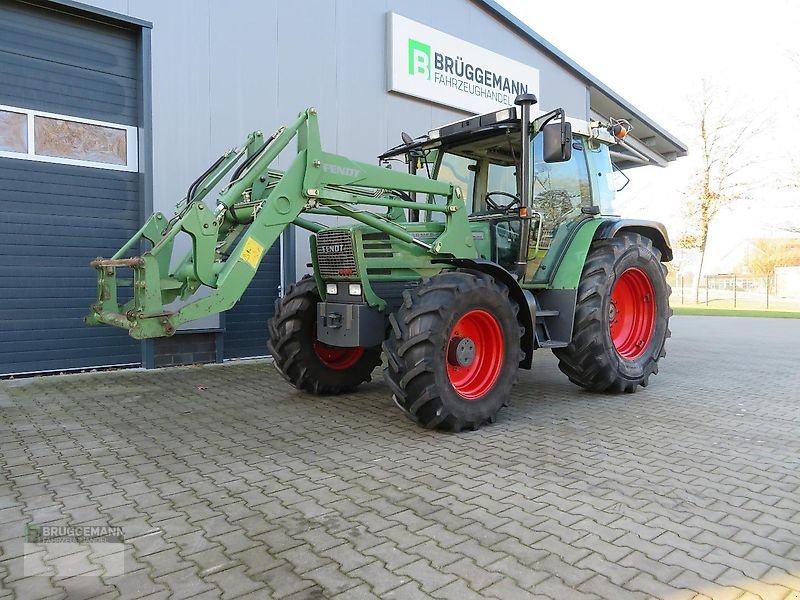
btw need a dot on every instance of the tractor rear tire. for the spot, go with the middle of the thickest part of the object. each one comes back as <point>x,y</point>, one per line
<point>621,318</point>
<point>453,351</point>
<point>305,362</point>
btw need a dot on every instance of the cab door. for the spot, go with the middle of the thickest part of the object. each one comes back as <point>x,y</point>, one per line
<point>560,191</point>
<point>493,203</point>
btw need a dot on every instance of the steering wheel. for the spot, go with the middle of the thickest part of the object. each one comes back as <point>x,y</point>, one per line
<point>503,208</point>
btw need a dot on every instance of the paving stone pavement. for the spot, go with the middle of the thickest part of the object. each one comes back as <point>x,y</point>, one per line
<point>229,484</point>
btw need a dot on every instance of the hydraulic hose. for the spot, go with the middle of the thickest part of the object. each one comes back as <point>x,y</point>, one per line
<point>251,159</point>
<point>199,180</point>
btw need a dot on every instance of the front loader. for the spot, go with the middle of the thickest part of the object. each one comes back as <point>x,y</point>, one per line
<point>508,245</point>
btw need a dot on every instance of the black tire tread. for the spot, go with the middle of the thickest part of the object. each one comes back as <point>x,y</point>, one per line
<point>288,345</point>
<point>412,380</point>
<point>586,361</point>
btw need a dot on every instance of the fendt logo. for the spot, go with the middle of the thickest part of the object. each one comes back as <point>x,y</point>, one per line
<point>419,58</point>
<point>339,170</point>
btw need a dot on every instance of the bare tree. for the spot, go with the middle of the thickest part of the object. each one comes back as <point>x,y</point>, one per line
<point>794,184</point>
<point>794,177</point>
<point>721,175</point>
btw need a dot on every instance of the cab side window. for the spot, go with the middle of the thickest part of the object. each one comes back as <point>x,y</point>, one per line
<point>559,189</point>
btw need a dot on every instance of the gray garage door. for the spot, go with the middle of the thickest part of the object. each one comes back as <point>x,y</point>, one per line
<point>246,323</point>
<point>69,186</point>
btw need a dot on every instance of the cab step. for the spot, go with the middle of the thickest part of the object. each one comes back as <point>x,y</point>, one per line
<point>553,344</point>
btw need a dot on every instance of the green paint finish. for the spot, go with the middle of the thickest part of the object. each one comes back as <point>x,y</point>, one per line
<point>230,236</point>
<point>382,257</point>
<point>316,275</point>
<point>568,272</point>
<point>311,226</point>
<point>228,242</point>
<point>562,266</point>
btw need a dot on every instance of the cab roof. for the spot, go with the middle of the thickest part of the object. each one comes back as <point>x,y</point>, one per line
<point>493,135</point>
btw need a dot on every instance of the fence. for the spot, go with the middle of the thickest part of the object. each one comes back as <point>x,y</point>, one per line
<point>734,291</point>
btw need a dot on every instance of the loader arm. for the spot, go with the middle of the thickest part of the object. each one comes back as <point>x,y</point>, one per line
<point>229,239</point>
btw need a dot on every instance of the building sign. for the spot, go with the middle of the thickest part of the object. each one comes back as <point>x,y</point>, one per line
<point>432,65</point>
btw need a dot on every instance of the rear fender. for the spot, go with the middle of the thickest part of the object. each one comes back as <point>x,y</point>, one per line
<point>653,230</point>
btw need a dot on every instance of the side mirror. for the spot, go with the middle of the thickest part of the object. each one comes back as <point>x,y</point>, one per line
<point>554,150</point>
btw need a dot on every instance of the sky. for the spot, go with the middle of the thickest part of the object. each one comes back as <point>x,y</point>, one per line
<point>655,55</point>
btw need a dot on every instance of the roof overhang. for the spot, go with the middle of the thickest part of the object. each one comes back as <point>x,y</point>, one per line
<point>647,144</point>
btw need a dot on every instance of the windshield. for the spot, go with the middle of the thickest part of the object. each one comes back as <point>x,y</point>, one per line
<point>502,178</point>
<point>462,171</point>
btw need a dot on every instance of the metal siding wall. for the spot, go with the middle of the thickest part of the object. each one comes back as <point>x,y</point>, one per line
<point>221,70</point>
<point>56,218</point>
<point>248,72</point>
<point>182,70</point>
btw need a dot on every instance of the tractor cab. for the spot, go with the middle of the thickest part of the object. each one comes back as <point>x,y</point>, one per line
<point>519,197</point>
<point>487,171</point>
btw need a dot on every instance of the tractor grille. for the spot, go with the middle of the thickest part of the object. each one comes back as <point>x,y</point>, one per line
<point>335,253</point>
<point>377,245</point>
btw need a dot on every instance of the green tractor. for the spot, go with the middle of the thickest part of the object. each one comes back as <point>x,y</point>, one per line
<point>508,244</point>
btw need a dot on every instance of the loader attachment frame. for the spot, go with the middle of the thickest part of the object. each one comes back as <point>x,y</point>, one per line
<point>229,239</point>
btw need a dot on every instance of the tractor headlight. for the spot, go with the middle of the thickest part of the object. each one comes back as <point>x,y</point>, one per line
<point>331,288</point>
<point>354,289</point>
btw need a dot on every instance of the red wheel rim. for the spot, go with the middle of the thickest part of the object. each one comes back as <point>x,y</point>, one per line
<point>337,358</point>
<point>475,354</point>
<point>632,314</point>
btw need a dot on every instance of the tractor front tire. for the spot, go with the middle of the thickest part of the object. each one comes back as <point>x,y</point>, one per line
<point>453,351</point>
<point>305,362</point>
<point>621,318</point>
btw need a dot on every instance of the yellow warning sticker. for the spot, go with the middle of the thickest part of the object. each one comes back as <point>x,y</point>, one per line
<point>252,252</point>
